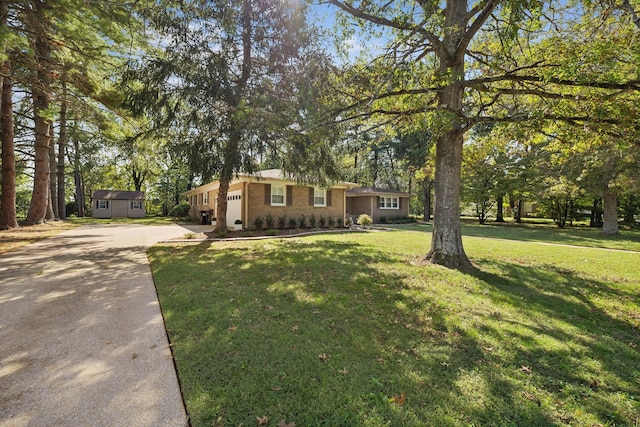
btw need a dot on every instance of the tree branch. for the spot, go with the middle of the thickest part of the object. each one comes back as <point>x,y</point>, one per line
<point>485,12</point>
<point>359,13</point>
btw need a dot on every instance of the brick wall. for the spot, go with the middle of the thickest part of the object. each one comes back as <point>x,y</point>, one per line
<point>360,205</point>
<point>403,210</point>
<point>300,205</point>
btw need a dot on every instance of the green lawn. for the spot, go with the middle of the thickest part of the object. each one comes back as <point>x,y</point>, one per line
<point>346,330</point>
<point>547,233</point>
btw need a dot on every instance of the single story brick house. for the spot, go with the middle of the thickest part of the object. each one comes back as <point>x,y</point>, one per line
<point>268,192</point>
<point>377,203</point>
<point>118,204</point>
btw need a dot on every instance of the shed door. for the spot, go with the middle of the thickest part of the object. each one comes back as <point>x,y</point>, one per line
<point>119,208</point>
<point>234,207</point>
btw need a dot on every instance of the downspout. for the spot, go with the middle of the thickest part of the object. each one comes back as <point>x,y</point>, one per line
<point>344,206</point>
<point>245,202</point>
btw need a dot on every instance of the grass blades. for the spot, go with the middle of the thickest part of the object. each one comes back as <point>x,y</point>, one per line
<point>345,330</point>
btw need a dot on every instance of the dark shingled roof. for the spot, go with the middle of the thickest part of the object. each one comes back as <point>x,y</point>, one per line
<point>118,195</point>
<point>374,191</point>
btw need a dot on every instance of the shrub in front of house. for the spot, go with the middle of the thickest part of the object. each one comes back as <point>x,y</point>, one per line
<point>282,222</point>
<point>180,211</point>
<point>312,221</point>
<point>302,221</point>
<point>364,220</point>
<point>258,222</point>
<point>383,220</point>
<point>270,221</point>
<point>293,223</point>
<point>322,221</point>
<point>400,220</point>
<point>331,222</point>
<point>272,232</point>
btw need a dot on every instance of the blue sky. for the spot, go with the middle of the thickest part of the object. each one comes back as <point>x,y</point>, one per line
<point>324,15</point>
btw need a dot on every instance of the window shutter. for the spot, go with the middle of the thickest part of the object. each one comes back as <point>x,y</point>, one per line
<point>97,204</point>
<point>289,195</point>
<point>267,194</point>
<point>329,197</point>
<point>399,202</point>
<point>310,196</point>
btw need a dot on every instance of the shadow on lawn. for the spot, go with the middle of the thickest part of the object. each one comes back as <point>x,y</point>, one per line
<point>599,361</point>
<point>329,333</point>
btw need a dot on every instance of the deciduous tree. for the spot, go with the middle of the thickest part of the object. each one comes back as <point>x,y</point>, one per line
<point>459,63</point>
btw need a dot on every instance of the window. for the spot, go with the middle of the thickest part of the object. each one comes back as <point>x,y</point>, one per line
<point>205,199</point>
<point>277,195</point>
<point>319,197</point>
<point>388,203</point>
<point>136,204</point>
<point>103,204</point>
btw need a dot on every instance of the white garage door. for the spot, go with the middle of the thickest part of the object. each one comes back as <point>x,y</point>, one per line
<point>234,207</point>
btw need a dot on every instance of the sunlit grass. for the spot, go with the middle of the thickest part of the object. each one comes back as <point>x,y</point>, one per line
<point>628,239</point>
<point>15,238</point>
<point>347,330</point>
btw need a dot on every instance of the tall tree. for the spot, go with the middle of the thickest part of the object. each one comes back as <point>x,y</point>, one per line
<point>230,76</point>
<point>459,63</point>
<point>38,23</point>
<point>8,197</point>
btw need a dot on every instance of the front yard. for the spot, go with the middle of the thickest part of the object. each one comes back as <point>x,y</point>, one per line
<point>344,330</point>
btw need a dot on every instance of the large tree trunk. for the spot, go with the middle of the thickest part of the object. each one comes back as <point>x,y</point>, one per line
<point>610,202</point>
<point>446,241</point>
<point>77,179</point>
<point>62,143</point>
<point>41,91</point>
<point>221,211</point>
<point>52,206</point>
<point>8,198</point>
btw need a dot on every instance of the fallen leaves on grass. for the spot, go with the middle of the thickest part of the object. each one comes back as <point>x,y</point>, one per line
<point>344,371</point>
<point>323,357</point>
<point>399,400</point>
<point>531,397</point>
<point>283,423</point>
<point>525,369</point>
<point>232,328</point>
<point>262,420</point>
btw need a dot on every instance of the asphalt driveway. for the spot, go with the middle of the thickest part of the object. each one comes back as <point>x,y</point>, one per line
<point>82,340</point>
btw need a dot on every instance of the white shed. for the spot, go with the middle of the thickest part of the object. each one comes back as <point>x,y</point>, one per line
<point>118,204</point>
